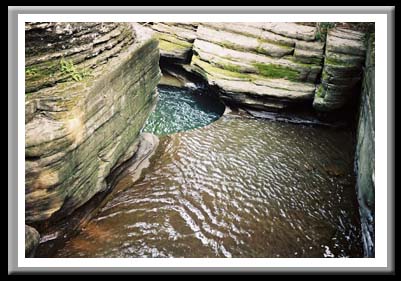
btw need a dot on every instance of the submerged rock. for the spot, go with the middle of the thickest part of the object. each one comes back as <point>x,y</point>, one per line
<point>85,112</point>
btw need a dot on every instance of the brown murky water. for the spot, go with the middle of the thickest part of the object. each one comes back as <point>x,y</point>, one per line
<point>240,187</point>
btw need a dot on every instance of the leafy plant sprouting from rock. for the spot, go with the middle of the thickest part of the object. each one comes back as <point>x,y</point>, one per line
<point>30,71</point>
<point>67,67</point>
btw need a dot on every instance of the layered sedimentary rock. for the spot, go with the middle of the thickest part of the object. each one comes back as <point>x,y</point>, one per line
<point>342,71</point>
<point>89,90</point>
<point>267,65</point>
<point>258,65</point>
<point>365,152</point>
<point>175,40</point>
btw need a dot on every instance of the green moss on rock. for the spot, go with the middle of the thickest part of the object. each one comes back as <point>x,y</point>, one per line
<point>212,70</point>
<point>231,67</point>
<point>325,76</point>
<point>168,46</point>
<point>320,92</point>
<point>173,40</point>
<point>338,62</point>
<point>264,40</point>
<point>276,71</point>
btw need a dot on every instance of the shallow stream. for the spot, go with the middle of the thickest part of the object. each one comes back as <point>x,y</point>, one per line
<point>237,187</point>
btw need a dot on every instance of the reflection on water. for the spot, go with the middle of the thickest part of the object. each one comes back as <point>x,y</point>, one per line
<point>239,187</point>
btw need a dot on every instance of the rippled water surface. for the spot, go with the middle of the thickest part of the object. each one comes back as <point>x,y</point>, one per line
<point>239,187</point>
<point>182,109</point>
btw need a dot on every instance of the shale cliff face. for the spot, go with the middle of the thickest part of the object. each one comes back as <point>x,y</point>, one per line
<point>268,66</point>
<point>89,90</point>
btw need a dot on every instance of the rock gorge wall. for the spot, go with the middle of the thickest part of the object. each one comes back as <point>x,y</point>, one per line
<point>253,64</point>
<point>342,70</point>
<point>89,90</point>
<point>365,152</point>
<point>268,66</point>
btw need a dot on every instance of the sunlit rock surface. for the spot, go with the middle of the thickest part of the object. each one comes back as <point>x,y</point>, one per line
<point>90,88</point>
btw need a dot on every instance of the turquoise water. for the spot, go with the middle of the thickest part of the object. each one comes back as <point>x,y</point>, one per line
<point>181,110</point>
